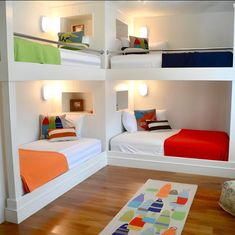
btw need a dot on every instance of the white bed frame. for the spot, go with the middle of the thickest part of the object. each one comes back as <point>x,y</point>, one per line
<point>18,210</point>
<point>172,164</point>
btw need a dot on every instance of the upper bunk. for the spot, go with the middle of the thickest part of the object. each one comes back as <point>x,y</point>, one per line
<point>52,40</point>
<point>177,40</point>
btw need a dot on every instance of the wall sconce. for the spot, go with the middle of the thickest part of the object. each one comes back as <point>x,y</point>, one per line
<point>45,23</point>
<point>144,32</point>
<point>143,89</point>
<point>46,92</point>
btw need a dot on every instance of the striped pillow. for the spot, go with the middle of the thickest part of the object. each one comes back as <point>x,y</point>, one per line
<point>158,125</point>
<point>64,134</point>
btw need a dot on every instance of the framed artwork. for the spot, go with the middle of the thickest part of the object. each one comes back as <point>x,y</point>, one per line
<point>78,28</point>
<point>76,105</point>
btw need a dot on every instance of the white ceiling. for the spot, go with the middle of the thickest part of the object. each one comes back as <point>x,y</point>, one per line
<point>154,8</point>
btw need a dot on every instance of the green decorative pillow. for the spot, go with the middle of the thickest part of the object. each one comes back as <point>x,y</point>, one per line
<point>74,38</point>
<point>136,42</point>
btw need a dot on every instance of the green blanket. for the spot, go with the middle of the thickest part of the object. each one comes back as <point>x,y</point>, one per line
<point>33,52</point>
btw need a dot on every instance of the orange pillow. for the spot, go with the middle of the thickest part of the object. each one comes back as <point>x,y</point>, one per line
<point>63,134</point>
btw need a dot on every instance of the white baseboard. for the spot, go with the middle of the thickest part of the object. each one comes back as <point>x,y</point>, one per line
<point>28,204</point>
<point>173,164</point>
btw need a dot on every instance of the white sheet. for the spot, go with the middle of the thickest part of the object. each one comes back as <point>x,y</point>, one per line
<point>79,58</point>
<point>141,142</point>
<point>76,152</point>
<point>153,60</point>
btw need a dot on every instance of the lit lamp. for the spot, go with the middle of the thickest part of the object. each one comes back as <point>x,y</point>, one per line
<point>143,89</point>
<point>144,32</point>
<point>45,23</point>
<point>46,92</point>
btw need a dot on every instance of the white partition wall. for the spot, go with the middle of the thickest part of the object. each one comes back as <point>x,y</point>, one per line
<point>2,168</point>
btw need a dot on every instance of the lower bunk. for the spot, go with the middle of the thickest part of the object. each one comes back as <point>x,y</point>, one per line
<point>186,151</point>
<point>199,144</point>
<point>49,169</point>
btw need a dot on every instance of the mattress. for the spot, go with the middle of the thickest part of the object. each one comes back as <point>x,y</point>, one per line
<point>141,142</point>
<point>79,58</point>
<point>76,152</point>
<point>153,60</point>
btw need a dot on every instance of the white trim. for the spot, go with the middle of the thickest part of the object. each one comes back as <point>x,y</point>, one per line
<point>28,204</point>
<point>22,71</point>
<point>181,74</point>
<point>173,164</point>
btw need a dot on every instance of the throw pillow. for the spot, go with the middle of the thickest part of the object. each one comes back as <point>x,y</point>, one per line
<point>142,116</point>
<point>63,134</point>
<point>158,125</point>
<point>50,122</point>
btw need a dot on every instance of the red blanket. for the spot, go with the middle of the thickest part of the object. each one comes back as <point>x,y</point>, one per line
<point>212,145</point>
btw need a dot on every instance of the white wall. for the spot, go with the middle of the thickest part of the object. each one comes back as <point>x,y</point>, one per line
<point>190,31</point>
<point>26,17</point>
<point>30,105</point>
<point>2,171</point>
<point>189,104</point>
<point>111,14</point>
<point>96,9</point>
<point>113,117</point>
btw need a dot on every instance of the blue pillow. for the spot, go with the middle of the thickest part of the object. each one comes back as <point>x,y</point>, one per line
<point>71,37</point>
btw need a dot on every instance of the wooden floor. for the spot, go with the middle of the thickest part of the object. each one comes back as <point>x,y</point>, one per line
<point>87,208</point>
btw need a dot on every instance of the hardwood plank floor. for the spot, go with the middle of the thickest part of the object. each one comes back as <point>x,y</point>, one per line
<point>87,208</point>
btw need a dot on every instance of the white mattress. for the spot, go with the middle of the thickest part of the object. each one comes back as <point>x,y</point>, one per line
<point>79,58</point>
<point>153,60</point>
<point>141,142</point>
<point>76,152</point>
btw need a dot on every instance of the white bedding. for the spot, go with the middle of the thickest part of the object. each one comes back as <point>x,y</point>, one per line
<point>76,152</point>
<point>79,58</point>
<point>152,60</point>
<point>141,142</point>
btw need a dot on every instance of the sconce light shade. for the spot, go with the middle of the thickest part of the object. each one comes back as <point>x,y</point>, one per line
<point>143,89</point>
<point>45,24</point>
<point>46,92</point>
<point>143,32</point>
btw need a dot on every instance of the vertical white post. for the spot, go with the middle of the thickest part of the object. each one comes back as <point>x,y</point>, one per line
<point>9,105</point>
<point>232,117</point>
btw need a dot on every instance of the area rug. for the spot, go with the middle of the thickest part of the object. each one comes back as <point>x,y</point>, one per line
<point>158,208</point>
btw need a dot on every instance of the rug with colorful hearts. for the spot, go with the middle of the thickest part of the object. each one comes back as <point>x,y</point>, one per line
<point>158,208</point>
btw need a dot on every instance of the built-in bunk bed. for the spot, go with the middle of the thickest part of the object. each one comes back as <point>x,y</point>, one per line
<point>42,170</point>
<point>159,146</point>
<point>70,50</point>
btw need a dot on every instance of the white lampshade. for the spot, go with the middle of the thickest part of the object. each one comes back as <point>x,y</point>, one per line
<point>46,92</point>
<point>143,32</point>
<point>45,23</point>
<point>143,89</point>
<point>86,40</point>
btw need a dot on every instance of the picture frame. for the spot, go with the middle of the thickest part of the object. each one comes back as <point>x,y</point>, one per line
<point>78,27</point>
<point>76,105</point>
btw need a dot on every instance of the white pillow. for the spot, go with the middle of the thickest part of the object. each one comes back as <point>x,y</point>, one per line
<point>75,120</point>
<point>125,42</point>
<point>161,114</point>
<point>117,45</point>
<point>129,121</point>
<point>158,46</point>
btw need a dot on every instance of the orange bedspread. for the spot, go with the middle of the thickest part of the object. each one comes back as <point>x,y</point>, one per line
<point>39,167</point>
<point>211,145</point>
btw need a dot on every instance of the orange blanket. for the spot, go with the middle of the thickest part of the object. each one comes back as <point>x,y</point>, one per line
<point>39,167</point>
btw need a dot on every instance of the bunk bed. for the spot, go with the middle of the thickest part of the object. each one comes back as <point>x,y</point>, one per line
<point>26,50</point>
<point>60,157</point>
<point>197,144</point>
<point>179,58</point>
